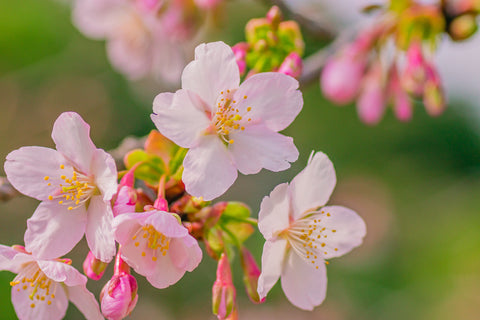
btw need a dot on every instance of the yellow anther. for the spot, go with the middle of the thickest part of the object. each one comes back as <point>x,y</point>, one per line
<point>49,302</point>
<point>154,258</point>
<point>137,244</point>
<point>46,178</point>
<point>334,230</point>
<point>60,202</point>
<point>70,208</point>
<point>53,296</point>
<point>50,197</point>
<point>231,141</point>
<point>244,97</point>
<point>143,254</point>
<point>63,177</point>
<point>326,262</point>
<point>62,166</point>
<point>32,305</point>
<point>249,108</point>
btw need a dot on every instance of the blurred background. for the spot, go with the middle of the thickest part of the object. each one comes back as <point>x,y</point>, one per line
<point>416,184</point>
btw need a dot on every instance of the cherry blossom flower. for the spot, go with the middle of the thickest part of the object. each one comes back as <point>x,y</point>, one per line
<point>75,184</point>
<point>42,288</point>
<point>228,126</point>
<point>157,246</point>
<point>300,237</point>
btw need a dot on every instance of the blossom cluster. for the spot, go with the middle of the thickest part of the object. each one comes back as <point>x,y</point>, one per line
<point>210,129</point>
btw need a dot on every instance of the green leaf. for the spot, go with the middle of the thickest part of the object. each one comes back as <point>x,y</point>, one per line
<point>151,169</point>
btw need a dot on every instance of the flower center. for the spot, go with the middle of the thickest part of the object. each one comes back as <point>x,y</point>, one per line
<point>227,117</point>
<point>308,238</point>
<point>39,287</point>
<point>74,191</point>
<point>150,239</point>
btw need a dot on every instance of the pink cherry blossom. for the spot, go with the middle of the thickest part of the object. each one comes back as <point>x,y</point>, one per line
<point>157,246</point>
<point>300,236</point>
<point>138,42</point>
<point>228,126</point>
<point>42,288</point>
<point>119,296</point>
<point>75,184</point>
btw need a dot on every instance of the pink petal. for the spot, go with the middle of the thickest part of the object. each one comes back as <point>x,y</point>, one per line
<point>99,229</point>
<point>53,230</point>
<point>214,70</point>
<point>167,224</point>
<point>274,211</point>
<point>72,138</point>
<point>165,272</point>
<point>126,224</point>
<point>62,272</point>
<point>312,187</point>
<point>208,169</point>
<point>273,97</point>
<point>97,19</point>
<point>303,284</point>
<point>85,301</point>
<point>258,147</point>
<point>105,172</point>
<point>187,254</point>
<point>272,263</point>
<point>27,167</point>
<point>41,310</point>
<point>180,117</point>
<point>12,260</point>
<point>349,230</point>
<point>168,58</point>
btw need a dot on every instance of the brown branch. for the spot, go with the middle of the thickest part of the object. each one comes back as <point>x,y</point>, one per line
<point>7,192</point>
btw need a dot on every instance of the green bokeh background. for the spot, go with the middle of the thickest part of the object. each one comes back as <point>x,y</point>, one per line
<point>416,184</point>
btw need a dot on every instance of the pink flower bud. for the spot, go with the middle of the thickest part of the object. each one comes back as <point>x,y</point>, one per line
<point>119,296</point>
<point>372,99</point>
<point>161,204</point>
<point>414,76</point>
<point>402,105</point>
<point>251,272</point>
<point>433,95</point>
<point>93,268</point>
<point>240,52</point>
<point>292,65</point>
<point>274,16</point>
<point>342,76</point>
<point>207,4</point>
<point>126,200</point>
<point>223,291</point>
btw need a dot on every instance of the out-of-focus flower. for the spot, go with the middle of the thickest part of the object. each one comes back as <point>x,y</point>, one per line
<point>93,267</point>
<point>144,37</point>
<point>42,288</point>
<point>372,99</point>
<point>433,96</point>
<point>300,236</point>
<point>75,184</point>
<point>208,4</point>
<point>227,126</point>
<point>119,296</point>
<point>251,272</point>
<point>292,65</point>
<point>223,291</point>
<point>157,246</point>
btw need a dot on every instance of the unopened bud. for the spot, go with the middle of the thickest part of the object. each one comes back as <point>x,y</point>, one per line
<point>292,65</point>
<point>240,52</point>
<point>402,104</point>
<point>463,27</point>
<point>119,296</point>
<point>223,291</point>
<point>93,267</point>
<point>415,73</point>
<point>372,99</point>
<point>274,15</point>
<point>433,95</point>
<point>251,272</point>
<point>125,201</point>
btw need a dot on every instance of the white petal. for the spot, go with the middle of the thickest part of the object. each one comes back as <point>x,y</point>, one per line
<point>273,97</point>
<point>62,272</point>
<point>273,257</point>
<point>126,224</point>
<point>27,167</point>
<point>214,70</point>
<point>312,187</point>
<point>85,301</point>
<point>105,172</point>
<point>99,230</point>
<point>303,284</point>
<point>40,310</point>
<point>165,273</point>
<point>72,138</point>
<point>274,211</point>
<point>345,230</point>
<point>258,147</point>
<point>12,260</point>
<point>53,230</point>
<point>208,169</point>
<point>180,117</point>
<point>97,19</point>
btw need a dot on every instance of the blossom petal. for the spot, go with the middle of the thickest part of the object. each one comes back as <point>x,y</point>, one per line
<point>72,138</point>
<point>208,169</point>
<point>167,224</point>
<point>53,230</point>
<point>131,56</point>
<point>126,224</point>
<point>105,172</point>
<point>27,167</point>
<point>180,117</point>
<point>62,272</point>
<point>312,187</point>
<point>214,70</point>
<point>99,229</point>
<point>41,309</point>
<point>273,97</point>
<point>96,19</point>
<point>12,260</point>
<point>85,301</point>
<point>304,285</point>
<point>258,147</point>
<point>345,228</point>
<point>187,254</point>
<point>274,211</point>
<point>272,263</point>
<point>165,272</point>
